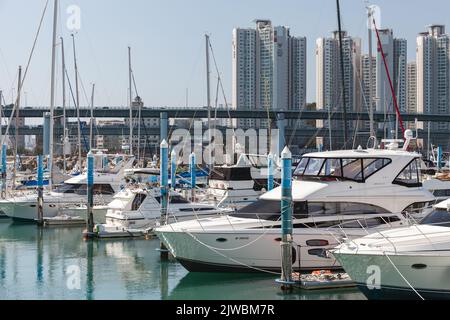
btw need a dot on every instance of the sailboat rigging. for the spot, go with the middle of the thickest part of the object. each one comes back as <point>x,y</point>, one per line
<point>394,96</point>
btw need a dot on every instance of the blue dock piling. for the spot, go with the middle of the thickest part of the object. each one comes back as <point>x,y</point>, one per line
<point>173,169</point>
<point>40,183</point>
<point>286,212</point>
<point>192,168</point>
<point>164,174</point>
<point>439,158</point>
<point>270,164</point>
<point>90,206</point>
<point>4,170</point>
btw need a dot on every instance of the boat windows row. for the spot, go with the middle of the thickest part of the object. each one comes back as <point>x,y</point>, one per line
<point>358,170</point>
<point>340,169</point>
<point>271,209</point>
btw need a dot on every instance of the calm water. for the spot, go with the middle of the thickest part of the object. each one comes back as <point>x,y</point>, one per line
<point>34,263</point>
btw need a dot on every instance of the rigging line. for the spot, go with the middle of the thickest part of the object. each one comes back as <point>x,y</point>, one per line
<point>394,96</point>
<point>27,67</point>
<point>220,80</point>
<point>134,83</point>
<point>360,82</point>
<point>403,277</point>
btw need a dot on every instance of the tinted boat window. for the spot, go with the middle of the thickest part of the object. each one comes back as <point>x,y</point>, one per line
<point>271,210</point>
<point>409,177</point>
<point>105,189</point>
<point>175,199</point>
<point>262,206</point>
<point>438,217</point>
<point>371,166</point>
<point>317,209</point>
<point>227,174</point>
<point>352,169</point>
<point>137,202</point>
<point>301,167</point>
<point>332,168</point>
<point>314,167</point>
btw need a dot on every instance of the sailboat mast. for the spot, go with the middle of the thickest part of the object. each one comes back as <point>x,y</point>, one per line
<point>344,98</point>
<point>78,103</point>
<point>17,108</point>
<point>52,94</point>
<point>139,133</point>
<point>91,128</point>
<point>208,86</point>
<point>371,99</point>
<point>130,99</point>
<point>64,103</point>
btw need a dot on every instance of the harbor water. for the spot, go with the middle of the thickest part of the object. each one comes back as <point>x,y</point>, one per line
<point>57,264</point>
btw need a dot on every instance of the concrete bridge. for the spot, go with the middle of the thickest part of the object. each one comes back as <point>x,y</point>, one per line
<point>202,113</point>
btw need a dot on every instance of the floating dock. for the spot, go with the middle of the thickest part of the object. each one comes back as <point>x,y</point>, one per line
<point>323,280</point>
<point>64,221</point>
<point>320,280</point>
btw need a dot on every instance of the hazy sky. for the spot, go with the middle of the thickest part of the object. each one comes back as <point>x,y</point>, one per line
<point>167,38</point>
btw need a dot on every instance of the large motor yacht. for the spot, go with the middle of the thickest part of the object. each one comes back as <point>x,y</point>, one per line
<point>336,195</point>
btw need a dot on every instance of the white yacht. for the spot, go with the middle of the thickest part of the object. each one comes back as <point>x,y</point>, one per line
<point>404,263</point>
<point>336,195</point>
<point>71,197</point>
<point>136,211</point>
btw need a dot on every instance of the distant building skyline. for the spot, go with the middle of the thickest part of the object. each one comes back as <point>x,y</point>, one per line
<point>329,79</point>
<point>433,72</point>
<point>269,70</point>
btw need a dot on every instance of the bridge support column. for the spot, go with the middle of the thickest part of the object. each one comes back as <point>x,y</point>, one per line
<point>46,135</point>
<point>164,126</point>
<point>281,124</point>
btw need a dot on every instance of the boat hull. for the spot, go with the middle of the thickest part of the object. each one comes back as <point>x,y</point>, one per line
<point>250,252</point>
<point>28,212</point>
<point>378,279</point>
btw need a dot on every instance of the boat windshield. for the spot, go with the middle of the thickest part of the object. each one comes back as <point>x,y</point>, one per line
<point>358,170</point>
<point>439,217</point>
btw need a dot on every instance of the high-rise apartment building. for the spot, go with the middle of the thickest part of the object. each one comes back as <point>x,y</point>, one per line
<point>433,69</point>
<point>400,70</point>
<point>269,70</point>
<point>329,93</point>
<point>411,91</point>
<point>244,72</point>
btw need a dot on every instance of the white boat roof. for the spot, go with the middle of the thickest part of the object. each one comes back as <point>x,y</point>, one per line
<point>443,205</point>
<point>375,153</point>
<point>143,171</point>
